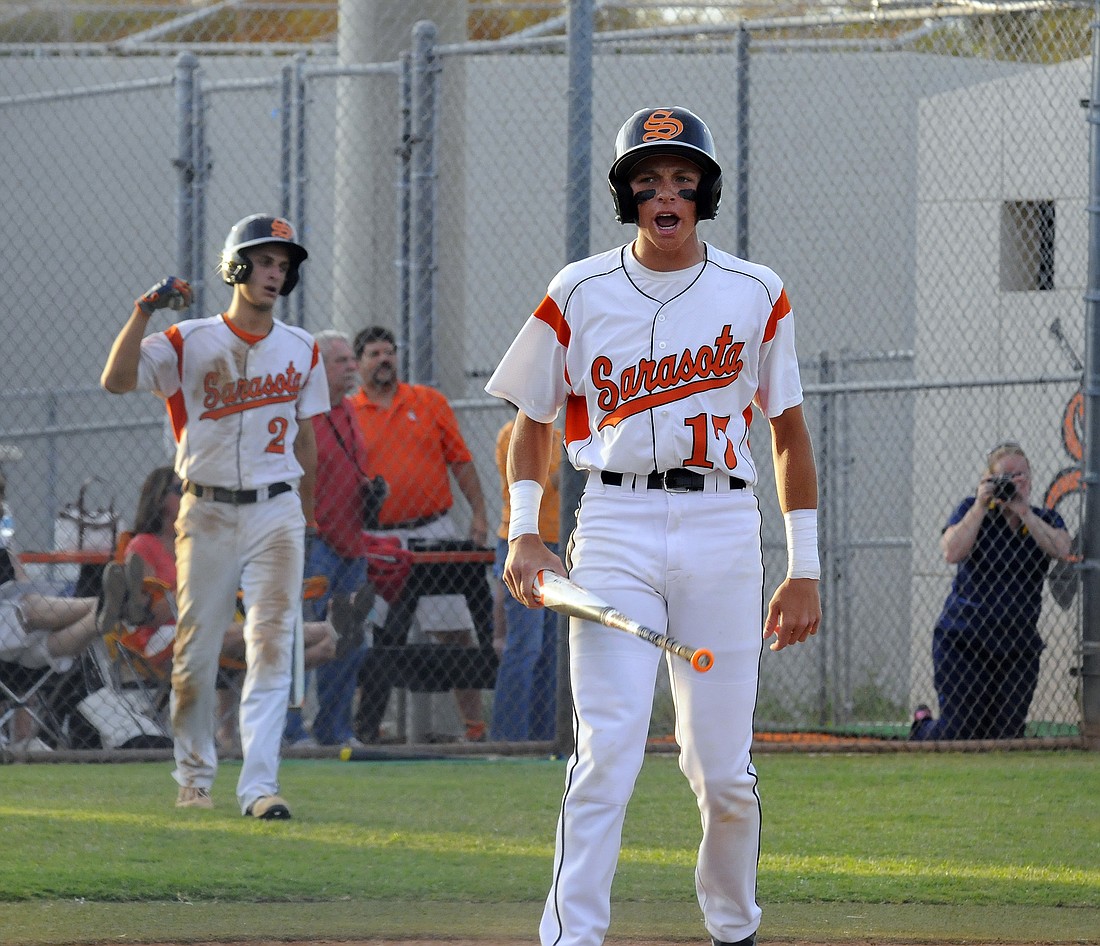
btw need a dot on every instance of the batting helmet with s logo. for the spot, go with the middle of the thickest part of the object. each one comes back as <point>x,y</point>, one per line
<point>256,230</point>
<point>672,130</point>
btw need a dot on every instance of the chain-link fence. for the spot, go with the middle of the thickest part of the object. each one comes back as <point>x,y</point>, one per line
<point>917,174</point>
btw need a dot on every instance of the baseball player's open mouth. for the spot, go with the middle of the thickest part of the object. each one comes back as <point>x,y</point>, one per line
<point>666,221</point>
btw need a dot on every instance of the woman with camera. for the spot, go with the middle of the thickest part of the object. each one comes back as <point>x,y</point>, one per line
<point>986,643</point>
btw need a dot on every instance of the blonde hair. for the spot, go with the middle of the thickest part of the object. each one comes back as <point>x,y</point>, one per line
<point>1007,448</point>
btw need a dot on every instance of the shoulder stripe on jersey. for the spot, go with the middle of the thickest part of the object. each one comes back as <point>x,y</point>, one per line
<point>781,308</point>
<point>316,356</point>
<point>549,313</point>
<point>172,333</point>
<point>177,407</point>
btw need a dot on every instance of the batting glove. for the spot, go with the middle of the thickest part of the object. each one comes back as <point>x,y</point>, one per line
<point>170,293</point>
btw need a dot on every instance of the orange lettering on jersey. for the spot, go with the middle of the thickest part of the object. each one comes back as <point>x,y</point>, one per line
<point>244,394</point>
<point>661,126</point>
<point>282,229</point>
<point>650,383</point>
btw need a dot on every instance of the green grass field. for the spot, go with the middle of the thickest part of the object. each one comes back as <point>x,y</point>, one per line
<point>939,847</point>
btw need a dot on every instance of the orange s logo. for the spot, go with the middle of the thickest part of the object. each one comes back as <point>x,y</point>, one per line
<point>661,126</point>
<point>281,229</point>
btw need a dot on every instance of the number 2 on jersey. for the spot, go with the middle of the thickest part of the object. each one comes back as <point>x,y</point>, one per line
<point>278,427</point>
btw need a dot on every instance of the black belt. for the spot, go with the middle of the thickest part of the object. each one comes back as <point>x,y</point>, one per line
<point>238,497</point>
<point>674,481</point>
<point>415,523</point>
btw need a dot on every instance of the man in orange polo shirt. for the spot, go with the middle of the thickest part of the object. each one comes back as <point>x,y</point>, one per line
<point>413,441</point>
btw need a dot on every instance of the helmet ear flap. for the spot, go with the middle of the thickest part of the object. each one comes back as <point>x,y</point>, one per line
<point>236,269</point>
<point>626,207</point>
<point>290,281</point>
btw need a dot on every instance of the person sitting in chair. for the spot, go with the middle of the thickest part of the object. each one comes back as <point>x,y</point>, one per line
<point>39,630</point>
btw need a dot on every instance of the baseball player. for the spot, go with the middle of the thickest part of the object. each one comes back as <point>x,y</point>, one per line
<point>657,350</point>
<point>238,386</point>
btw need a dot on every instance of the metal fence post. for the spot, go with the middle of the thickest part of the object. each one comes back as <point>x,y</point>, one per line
<point>201,180</point>
<point>186,65</point>
<point>578,234</point>
<point>291,312</point>
<point>1090,527</point>
<point>826,541</point>
<point>404,226</point>
<point>300,184</point>
<point>422,263</point>
<point>744,38</point>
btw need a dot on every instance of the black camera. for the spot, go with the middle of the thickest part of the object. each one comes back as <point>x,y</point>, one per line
<point>373,493</point>
<point>1004,488</point>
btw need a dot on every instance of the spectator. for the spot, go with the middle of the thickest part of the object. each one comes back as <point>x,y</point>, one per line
<point>525,699</point>
<point>346,498</point>
<point>153,544</point>
<point>413,440</point>
<point>986,643</point>
<point>38,630</point>
<point>238,387</point>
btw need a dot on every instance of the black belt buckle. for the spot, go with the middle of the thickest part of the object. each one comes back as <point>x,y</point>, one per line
<point>680,481</point>
<point>236,497</point>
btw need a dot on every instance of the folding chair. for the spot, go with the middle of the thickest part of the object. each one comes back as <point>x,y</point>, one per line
<point>30,689</point>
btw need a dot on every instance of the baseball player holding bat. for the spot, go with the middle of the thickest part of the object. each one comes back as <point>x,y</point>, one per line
<point>237,386</point>
<point>657,351</point>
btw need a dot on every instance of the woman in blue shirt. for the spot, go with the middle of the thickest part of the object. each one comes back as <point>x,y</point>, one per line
<point>986,644</point>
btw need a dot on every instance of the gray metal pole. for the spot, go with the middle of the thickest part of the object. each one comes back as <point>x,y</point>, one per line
<point>1090,526</point>
<point>404,227</point>
<point>300,182</point>
<point>201,180</point>
<point>286,160</point>
<point>824,500</point>
<point>578,236</point>
<point>422,206</point>
<point>186,64</point>
<point>742,191</point>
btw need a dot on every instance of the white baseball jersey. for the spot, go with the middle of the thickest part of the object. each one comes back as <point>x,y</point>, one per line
<point>656,370</point>
<point>235,400</point>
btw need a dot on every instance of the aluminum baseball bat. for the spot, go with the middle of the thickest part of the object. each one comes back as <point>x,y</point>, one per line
<point>566,597</point>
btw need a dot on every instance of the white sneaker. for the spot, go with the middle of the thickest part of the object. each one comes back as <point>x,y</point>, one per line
<point>189,797</point>
<point>268,808</point>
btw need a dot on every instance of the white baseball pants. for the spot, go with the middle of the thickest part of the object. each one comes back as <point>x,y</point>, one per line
<point>221,547</point>
<point>689,565</point>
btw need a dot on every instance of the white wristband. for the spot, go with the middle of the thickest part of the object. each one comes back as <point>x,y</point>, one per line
<point>802,560</point>
<point>524,499</point>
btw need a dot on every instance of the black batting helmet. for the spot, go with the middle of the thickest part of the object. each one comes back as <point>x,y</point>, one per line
<point>672,130</point>
<point>257,230</point>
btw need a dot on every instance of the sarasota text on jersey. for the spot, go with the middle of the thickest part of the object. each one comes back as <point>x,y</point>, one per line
<point>231,397</point>
<point>671,379</point>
